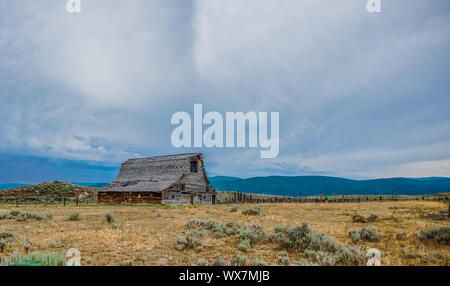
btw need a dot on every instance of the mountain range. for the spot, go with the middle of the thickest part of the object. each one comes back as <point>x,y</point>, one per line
<point>313,185</point>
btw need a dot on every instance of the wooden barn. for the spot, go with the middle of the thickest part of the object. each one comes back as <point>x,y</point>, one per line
<point>174,179</point>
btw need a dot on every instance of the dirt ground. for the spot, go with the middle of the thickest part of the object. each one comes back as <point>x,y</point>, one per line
<point>147,234</point>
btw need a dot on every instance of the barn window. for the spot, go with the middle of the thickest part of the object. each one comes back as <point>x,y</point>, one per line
<point>194,166</point>
<point>173,196</point>
<point>183,187</point>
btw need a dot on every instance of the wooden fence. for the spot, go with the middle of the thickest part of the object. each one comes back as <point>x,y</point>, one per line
<point>238,197</point>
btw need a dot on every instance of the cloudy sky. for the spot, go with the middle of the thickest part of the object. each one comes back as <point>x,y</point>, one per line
<point>360,95</point>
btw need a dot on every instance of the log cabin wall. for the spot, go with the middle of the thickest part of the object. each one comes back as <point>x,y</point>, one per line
<point>129,198</point>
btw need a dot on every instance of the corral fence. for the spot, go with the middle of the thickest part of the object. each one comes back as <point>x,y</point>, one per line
<point>239,197</point>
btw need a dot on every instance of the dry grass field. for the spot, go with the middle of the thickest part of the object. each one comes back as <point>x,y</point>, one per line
<point>147,234</point>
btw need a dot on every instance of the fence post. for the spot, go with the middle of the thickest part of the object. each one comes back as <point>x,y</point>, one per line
<point>393,195</point>
<point>64,201</point>
<point>17,203</point>
<point>448,208</point>
<point>343,197</point>
<point>320,196</point>
<point>301,197</point>
<point>77,200</point>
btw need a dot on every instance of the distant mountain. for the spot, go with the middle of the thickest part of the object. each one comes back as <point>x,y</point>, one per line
<point>313,185</point>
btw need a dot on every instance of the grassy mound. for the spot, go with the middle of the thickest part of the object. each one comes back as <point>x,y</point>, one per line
<point>54,192</point>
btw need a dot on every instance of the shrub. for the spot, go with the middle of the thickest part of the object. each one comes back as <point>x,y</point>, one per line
<point>202,262</point>
<point>239,260</point>
<point>53,243</point>
<point>195,223</point>
<point>127,263</point>
<point>355,236</point>
<point>6,235</point>
<point>213,227</point>
<point>21,217</point>
<point>283,258</point>
<point>317,247</point>
<point>191,240</point>
<point>3,245</point>
<point>401,235</point>
<point>254,234</point>
<point>244,245</point>
<point>252,211</point>
<point>15,212</point>
<point>234,209</point>
<point>369,233</point>
<point>257,262</point>
<point>372,218</point>
<point>219,261</point>
<point>74,217</point>
<point>5,215</point>
<point>358,218</point>
<point>26,246</point>
<point>109,217</point>
<point>115,225</point>
<point>50,215</point>
<point>437,234</point>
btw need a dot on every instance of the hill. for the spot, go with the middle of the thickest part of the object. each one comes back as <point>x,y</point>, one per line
<point>313,185</point>
<point>50,192</point>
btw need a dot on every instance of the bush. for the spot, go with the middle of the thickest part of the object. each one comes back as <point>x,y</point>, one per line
<point>318,247</point>
<point>437,234</point>
<point>26,246</point>
<point>5,215</point>
<point>3,245</point>
<point>252,211</point>
<point>355,236</point>
<point>401,235</point>
<point>219,261</point>
<point>239,260</point>
<point>191,240</point>
<point>6,235</point>
<point>115,225</point>
<point>15,212</point>
<point>372,218</point>
<point>213,227</point>
<point>109,217</point>
<point>244,245</point>
<point>21,217</point>
<point>202,262</point>
<point>369,233</point>
<point>254,234</point>
<point>283,258</point>
<point>257,262</point>
<point>74,217</point>
<point>234,209</point>
<point>358,218</point>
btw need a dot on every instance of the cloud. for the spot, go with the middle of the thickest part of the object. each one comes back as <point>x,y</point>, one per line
<point>359,94</point>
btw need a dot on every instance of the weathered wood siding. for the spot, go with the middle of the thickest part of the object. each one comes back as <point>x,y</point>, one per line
<point>129,198</point>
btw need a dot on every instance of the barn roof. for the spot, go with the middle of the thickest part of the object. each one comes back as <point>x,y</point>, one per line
<point>153,174</point>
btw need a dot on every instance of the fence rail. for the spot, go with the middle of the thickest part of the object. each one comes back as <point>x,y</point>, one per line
<point>238,197</point>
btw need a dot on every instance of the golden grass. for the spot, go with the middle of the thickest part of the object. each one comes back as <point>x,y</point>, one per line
<point>146,238</point>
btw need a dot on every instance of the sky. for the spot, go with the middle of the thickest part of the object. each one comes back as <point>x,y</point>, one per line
<point>359,95</point>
